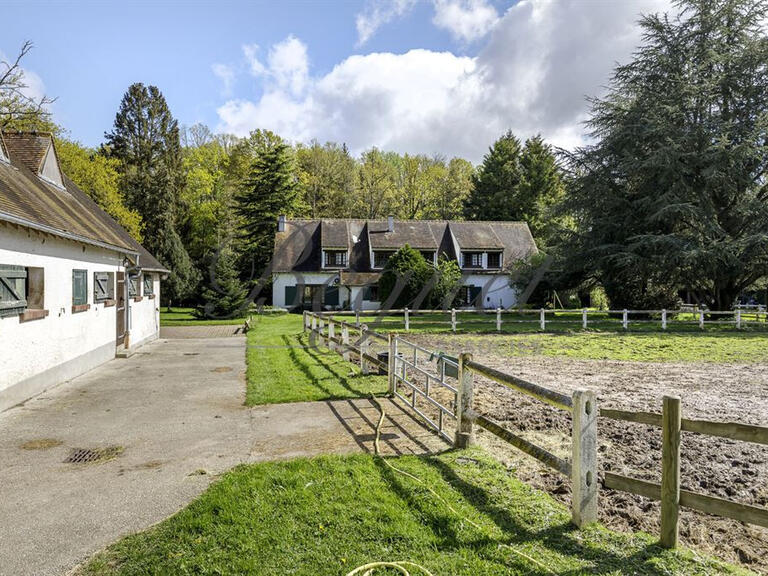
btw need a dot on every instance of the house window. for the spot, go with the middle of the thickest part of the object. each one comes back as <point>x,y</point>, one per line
<point>494,259</point>
<point>149,285</point>
<point>335,258</point>
<point>103,286</point>
<point>429,256</point>
<point>13,290</point>
<point>380,258</point>
<point>469,294</point>
<point>473,259</point>
<point>133,287</point>
<point>371,293</point>
<point>79,290</point>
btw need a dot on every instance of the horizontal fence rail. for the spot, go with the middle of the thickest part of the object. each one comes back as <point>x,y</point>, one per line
<point>423,379</point>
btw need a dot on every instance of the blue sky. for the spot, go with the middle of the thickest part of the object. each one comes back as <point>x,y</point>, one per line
<point>433,76</point>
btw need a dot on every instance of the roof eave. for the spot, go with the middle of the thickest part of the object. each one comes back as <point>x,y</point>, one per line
<point>64,234</point>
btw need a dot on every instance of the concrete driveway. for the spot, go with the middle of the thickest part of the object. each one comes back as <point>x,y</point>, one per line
<point>173,414</point>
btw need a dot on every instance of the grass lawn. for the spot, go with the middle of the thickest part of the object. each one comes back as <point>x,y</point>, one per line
<point>186,317</point>
<point>328,515</point>
<point>282,367</point>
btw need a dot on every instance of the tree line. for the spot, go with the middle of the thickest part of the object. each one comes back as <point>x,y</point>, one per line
<point>668,200</point>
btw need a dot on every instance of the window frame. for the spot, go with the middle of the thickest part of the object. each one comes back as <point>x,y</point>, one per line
<point>10,307</point>
<point>151,279</point>
<point>80,301</point>
<point>499,255</point>
<point>109,293</point>
<point>378,253</point>
<point>331,258</point>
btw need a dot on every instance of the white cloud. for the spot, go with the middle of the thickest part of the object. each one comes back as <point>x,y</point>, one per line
<point>226,74</point>
<point>250,52</point>
<point>376,14</point>
<point>466,20</point>
<point>531,75</point>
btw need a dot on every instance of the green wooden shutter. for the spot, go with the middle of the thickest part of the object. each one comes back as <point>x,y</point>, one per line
<point>290,296</point>
<point>79,287</point>
<point>132,287</point>
<point>474,293</point>
<point>331,296</point>
<point>149,287</point>
<point>13,290</point>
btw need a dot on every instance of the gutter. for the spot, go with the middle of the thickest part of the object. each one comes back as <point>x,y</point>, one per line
<point>67,235</point>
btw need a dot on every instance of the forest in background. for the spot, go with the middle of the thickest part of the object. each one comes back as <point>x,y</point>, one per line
<point>669,198</point>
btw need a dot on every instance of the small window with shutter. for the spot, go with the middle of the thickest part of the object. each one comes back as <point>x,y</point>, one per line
<point>149,285</point>
<point>103,286</point>
<point>133,286</point>
<point>79,287</point>
<point>13,290</point>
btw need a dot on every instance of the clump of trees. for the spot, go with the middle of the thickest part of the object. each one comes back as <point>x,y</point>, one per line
<point>409,280</point>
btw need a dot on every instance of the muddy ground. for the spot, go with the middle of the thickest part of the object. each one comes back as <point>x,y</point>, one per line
<point>725,392</point>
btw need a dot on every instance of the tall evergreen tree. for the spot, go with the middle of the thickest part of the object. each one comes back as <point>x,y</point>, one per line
<point>271,189</point>
<point>496,182</point>
<point>224,294</point>
<point>540,191</point>
<point>145,141</point>
<point>673,193</point>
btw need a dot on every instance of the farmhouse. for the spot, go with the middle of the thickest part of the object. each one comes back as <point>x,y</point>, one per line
<point>75,288</point>
<point>337,263</point>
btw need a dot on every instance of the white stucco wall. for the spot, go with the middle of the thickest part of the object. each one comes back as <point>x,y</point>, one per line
<point>497,293</point>
<point>145,315</point>
<point>38,354</point>
<point>282,279</point>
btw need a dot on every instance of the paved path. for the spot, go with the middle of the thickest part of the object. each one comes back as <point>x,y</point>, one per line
<point>177,332</point>
<point>176,409</point>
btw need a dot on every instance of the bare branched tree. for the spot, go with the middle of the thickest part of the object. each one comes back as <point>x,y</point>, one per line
<point>17,105</point>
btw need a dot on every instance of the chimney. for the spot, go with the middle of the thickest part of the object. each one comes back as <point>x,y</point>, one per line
<point>281,223</point>
<point>390,223</point>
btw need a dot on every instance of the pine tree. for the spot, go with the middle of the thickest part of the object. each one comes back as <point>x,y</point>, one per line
<point>496,182</point>
<point>540,191</point>
<point>224,297</point>
<point>271,189</point>
<point>145,141</point>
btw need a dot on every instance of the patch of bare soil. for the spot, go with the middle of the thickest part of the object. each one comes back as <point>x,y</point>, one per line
<point>728,469</point>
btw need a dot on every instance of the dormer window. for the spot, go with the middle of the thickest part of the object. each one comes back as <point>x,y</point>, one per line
<point>335,259</point>
<point>380,258</point>
<point>49,170</point>
<point>494,260</point>
<point>472,259</point>
<point>429,256</point>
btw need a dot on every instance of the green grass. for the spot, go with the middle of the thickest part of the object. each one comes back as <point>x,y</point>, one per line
<point>186,317</point>
<point>327,515</point>
<point>282,367</point>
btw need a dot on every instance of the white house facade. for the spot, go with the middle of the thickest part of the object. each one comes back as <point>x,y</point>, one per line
<point>336,263</point>
<point>75,288</point>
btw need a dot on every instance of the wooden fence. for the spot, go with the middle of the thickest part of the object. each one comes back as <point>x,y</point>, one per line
<point>585,318</point>
<point>582,468</point>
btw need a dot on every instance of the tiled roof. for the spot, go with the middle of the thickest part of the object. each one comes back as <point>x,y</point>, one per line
<point>28,200</point>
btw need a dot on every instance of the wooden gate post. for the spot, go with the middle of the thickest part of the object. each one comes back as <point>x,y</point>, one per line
<point>331,334</point>
<point>453,319</point>
<point>670,471</point>
<point>313,332</point>
<point>464,437</point>
<point>345,342</point>
<point>392,341</point>
<point>363,349</point>
<point>407,320</point>
<point>584,458</point>
<point>498,319</point>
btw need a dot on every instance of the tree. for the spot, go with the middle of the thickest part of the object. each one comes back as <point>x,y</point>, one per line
<point>673,194</point>
<point>447,282</point>
<point>453,189</point>
<point>20,108</point>
<point>540,192</point>
<point>496,182</point>
<point>224,297</point>
<point>377,187</point>
<point>404,278</point>
<point>145,142</point>
<point>98,176</point>
<point>328,178</point>
<point>271,189</point>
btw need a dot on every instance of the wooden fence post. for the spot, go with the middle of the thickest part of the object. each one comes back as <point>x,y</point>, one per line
<point>464,437</point>
<point>357,318</point>
<point>320,328</point>
<point>664,319</point>
<point>345,342</point>
<point>392,338</point>
<point>313,332</point>
<point>363,349</point>
<point>407,320</point>
<point>738,319</point>
<point>304,320</point>
<point>498,319</point>
<point>542,319</point>
<point>701,319</point>
<point>670,471</point>
<point>584,318</point>
<point>453,319</point>
<point>625,319</point>
<point>584,458</point>
<point>331,334</point>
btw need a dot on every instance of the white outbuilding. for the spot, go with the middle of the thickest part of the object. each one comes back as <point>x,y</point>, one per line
<point>75,288</point>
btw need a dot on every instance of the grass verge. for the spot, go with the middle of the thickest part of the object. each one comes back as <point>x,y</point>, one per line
<point>327,515</point>
<point>283,368</point>
<point>186,317</point>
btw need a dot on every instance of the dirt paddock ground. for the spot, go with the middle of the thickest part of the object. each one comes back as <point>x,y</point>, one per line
<point>725,392</point>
